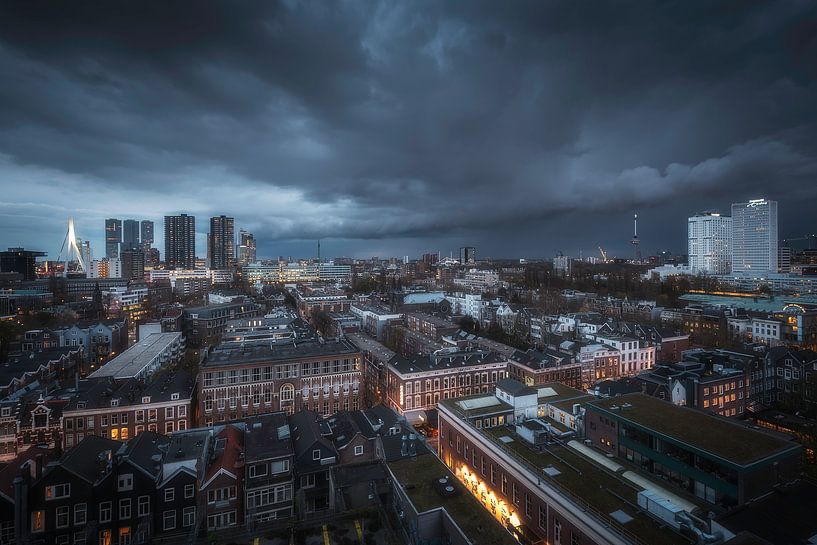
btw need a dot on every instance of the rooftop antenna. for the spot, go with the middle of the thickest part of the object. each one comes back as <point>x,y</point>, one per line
<point>71,241</point>
<point>319,251</point>
<point>635,242</point>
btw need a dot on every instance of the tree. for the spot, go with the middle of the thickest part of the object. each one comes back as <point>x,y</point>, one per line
<point>322,322</point>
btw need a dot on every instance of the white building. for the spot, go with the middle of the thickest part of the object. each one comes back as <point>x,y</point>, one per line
<point>478,279</point>
<point>709,243</point>
<point>105,268</point>
<point>754,237</point>
<point>634,357</point>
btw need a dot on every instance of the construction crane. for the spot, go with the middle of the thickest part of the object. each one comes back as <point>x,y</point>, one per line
<point>603,254</point>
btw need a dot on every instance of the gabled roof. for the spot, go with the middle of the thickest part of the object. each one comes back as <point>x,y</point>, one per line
<point>309,431</point>
<point>145,452</point>
<point>89,459</point>
<point>227,458</point>
<point>11,470</point>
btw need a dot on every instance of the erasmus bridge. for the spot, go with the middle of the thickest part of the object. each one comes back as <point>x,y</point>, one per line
<point>69,245</point>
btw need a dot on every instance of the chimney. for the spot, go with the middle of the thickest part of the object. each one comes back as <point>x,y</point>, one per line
<point>38,466</point>
<point>22,517</point>
<point>403,447</point>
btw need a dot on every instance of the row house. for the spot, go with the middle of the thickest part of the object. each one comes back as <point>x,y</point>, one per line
<point>416,384</point>
<point>268,469</point>
<point>102,340</point>
<point>635,355</point>
<point>224,479</point>
<point>768,331</point>
<point>257,378</point>
<point>705,385</point>
<point>669,343</point>
<point>791,378</point>
<point>44,367</point>
<point>30,419</point>
<point>123,409</point>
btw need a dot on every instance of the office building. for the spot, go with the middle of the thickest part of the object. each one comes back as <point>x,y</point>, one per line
<point>133,263</point>
<point>468,255</point>
<point>113,237</point>
<point>146,235</point>
<point>20,261</point>
<point>221,242</point>
<point>754,237</point>
<point>180,242</point>
<point>246,248</point>
<point>709,243</point>
<point>130,235</point>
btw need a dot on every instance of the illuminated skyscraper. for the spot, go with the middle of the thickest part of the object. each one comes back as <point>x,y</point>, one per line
<point>146,238</point>
<point>246,248</point>
<point>221,242</point>
<point>754,237</point>
<point>180,242</point>
<point>709,243</point>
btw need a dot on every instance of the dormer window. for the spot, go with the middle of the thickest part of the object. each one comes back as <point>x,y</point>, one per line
<point>146,399</point>
<point>6,411</point>
<point>174,396</point>
<point>114,403</point>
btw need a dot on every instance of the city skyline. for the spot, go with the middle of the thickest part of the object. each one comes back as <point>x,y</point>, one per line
<point>425,129</point>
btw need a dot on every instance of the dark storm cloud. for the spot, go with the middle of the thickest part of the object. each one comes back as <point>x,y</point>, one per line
<point>522,128</point>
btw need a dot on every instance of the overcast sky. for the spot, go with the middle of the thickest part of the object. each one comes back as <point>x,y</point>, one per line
<point>389,128</point>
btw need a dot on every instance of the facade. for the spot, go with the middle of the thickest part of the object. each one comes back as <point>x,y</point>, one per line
<point>122,409</point>
<point>635,355</point>
<point>113,237</point>
<point>268,469</point>
<point>180,242</point>
<point>246,247</point>
<point>468,255</point>
<point>532,368</point>
<point>260,378</point>
<point>754,237</point>
<point>416,384</point>
<point>133,263</point>
<point>431,326</point>
<point>717,460</point>
<point>20,261</point>
<point>709,243</point>
<point>146,235</point>
<point>130,235</point>
<point>221,242</point>
<point>204,326</point>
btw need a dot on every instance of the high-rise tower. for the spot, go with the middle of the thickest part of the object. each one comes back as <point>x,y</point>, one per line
<point>221,242</point>
<point>113,237</point>
<point>180,242</point>
<point>246,248</point>
<point>754,237</point>
<point>130,235</point>
<point>146,234</point>
<point>709,243</point>
<point>636,242</point>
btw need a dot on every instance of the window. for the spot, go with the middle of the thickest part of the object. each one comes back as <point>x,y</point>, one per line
<point>124,535</point>
<point>125,482</point>
<point>62,516</point>
<point>38,521</point>
<point>80,514</point>
<point>105,511</point>
<point>168,412</point>
<point>189,490</point>
<point>287,392</point>
<point>279,466</point>
<point>543,517</point>
<point>170,495</point>
<point>258,470</point>
<point>57,491</point>
<point>124,508</point>
<point>358,450</point>
<point>169,520</point>
<point>221,494</point>
<point>188,516</point>
<point>316,454</point>
<point>143,506</point>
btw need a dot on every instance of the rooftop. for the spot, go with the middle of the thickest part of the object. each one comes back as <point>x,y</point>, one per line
<point>588,484</point>
<point>417,476</point>
<point>367,344</point>
<point>141,355</point>
<point>441,361</point>
<point>700,430</point>
<point>264,352</point>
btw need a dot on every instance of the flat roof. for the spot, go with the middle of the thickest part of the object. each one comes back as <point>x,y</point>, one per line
<point>416,477</point>
<point>135,359</point>
<point>718,436</point>
<point>367,344</point>
<point>266,352</point>
<point>586,482</point>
